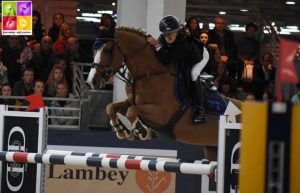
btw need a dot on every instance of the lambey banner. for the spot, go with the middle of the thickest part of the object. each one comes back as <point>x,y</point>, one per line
<point>59,178</point>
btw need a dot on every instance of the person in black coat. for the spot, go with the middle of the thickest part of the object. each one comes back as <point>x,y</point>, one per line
<point>53,32</point>
<point>223,40</point>
<point>263,74</point>
<point>38,30</point>
<point>173,48</point>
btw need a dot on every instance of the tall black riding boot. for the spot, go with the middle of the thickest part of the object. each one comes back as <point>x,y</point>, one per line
<point>199,114</point>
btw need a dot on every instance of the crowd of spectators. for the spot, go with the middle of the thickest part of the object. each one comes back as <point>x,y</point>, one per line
<point>240,69</point>
<point>43,63</point>
<point>39,63</point>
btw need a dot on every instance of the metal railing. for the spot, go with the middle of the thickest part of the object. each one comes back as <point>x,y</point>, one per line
<point>48,100</point>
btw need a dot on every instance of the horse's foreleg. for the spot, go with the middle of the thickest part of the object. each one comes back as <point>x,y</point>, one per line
<point>146,111</point>
<point>111,110</point>
<point>139,130</point>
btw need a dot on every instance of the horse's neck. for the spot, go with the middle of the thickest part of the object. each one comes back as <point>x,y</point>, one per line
<point>142,60</point>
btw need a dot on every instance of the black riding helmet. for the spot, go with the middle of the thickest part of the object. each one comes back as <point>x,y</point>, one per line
<point>169,24</point>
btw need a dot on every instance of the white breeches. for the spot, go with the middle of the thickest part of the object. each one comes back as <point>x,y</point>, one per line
<point>197,68</point>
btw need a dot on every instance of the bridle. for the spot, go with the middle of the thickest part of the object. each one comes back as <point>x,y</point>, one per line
<point>121,71</point>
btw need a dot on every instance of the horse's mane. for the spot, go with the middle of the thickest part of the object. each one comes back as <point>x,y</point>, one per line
<point>139,32</point>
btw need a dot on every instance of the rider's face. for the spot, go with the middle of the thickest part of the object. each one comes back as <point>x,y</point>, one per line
<point>170,37</point>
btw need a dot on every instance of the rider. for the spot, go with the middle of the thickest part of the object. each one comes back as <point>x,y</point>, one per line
<point>173,47</point>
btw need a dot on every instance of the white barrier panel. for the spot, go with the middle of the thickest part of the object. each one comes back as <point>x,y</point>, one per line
<point>22,131</point>
<point>228,156</point>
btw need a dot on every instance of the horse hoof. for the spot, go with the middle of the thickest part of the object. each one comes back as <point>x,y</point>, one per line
<point>131,137</point>
<point>116,124</point>
<point>141,131</point>
<point>128,133</point>
<point>146,134</point>
<point>124,121</point>
<point>136,132</point>
<point>120,135</point>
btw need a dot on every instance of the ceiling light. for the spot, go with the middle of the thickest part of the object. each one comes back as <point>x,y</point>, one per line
<point>113,3</point>
<point>244,10</point>
<point>78,9</point>
<point>105,11</point>
<point>273,23</point>
<point>290,2</point>
<point>211,25</point>
<point>222,12</point>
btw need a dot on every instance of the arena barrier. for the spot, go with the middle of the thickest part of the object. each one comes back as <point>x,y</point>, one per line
<point>146,165</point>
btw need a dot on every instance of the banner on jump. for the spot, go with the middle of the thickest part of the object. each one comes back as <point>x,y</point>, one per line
<point>59,178</point>
<point>16,17</point>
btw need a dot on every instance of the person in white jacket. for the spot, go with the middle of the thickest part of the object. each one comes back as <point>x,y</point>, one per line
<point>62,92</point>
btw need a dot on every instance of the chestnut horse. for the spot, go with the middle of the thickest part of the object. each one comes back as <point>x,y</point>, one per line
<point>151,102</point>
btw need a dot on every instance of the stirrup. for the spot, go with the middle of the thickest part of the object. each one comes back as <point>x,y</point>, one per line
<point>201,120</point>
<point>199,117</point>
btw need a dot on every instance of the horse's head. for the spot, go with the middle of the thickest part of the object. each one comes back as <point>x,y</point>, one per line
<point>129,47</point>
<point>111,59</point>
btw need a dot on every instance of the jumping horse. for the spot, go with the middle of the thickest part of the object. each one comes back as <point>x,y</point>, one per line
<point>151,106</point>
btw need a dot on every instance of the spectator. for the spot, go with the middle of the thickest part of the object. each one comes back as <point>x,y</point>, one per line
<point>248,46</point>
<point>192,28</point>
<point>38,30</point>
<point>60,45</point>
<point>39,87</point>
<point>3,73</point>
<point>75,53</point>
<point>26,57</point>
<point>43,59</point>
<point>57,105</point>
<point>107,26</point>
<point>250,96</point>
<point>223,40</point>
<point>11,57</point>
<point>263,74</point>
<point>7,91</point>
<point>56,75</point>
<point>227,87</point>
<point>219,72</point>
<point>213,54</point>
<point>58,19</point>
<point>24,87</point>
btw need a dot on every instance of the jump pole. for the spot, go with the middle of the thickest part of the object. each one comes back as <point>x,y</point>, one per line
<point>123,156</point>
<point>146,165</point>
